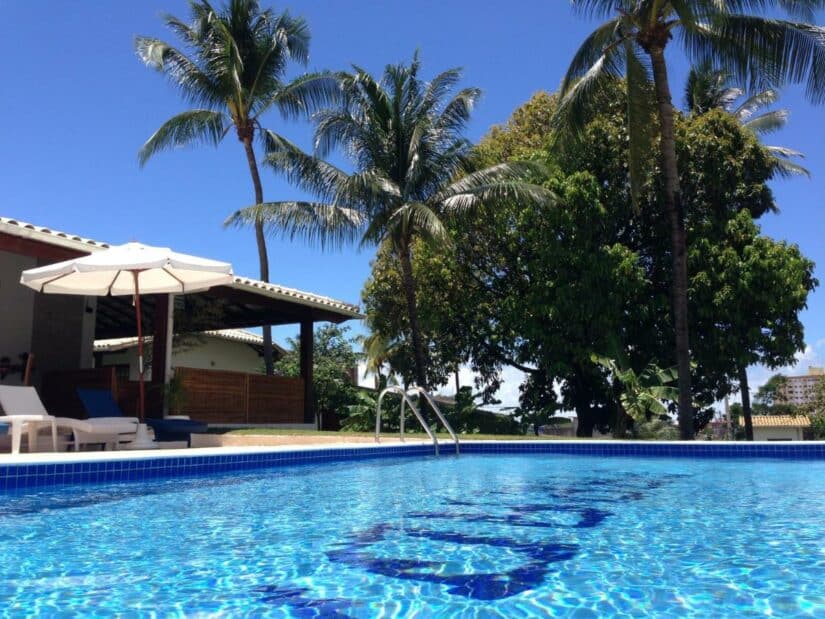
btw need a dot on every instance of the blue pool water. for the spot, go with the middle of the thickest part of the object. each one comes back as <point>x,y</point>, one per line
<point>473,536</point>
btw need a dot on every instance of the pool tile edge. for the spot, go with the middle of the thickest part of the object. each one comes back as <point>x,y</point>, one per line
<point>39,470</point>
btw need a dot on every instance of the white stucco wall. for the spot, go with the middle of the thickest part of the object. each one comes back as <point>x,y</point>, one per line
<point>777,434</point>
<point>212,353</point>
<point>57,329</point>
<point>16,311</point>
<point>207,353</point>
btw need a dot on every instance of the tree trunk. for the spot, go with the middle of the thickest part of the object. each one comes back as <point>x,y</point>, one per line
<point>678,239</point>
<point>746,402</point>
<point>412,314</point>
<point>585,422</point>
<point>583,405</point>
<point>260,238</point>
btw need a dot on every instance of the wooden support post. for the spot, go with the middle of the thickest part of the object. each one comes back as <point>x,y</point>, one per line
<point>307,343</point>
<point>164,327</point>
<point>160,350</point>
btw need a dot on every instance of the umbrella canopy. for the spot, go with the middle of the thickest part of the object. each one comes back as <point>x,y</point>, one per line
<point>130,269</point>
<point>112,272</point>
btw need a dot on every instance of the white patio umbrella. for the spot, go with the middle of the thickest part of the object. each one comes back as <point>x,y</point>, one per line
<point>130,269</point>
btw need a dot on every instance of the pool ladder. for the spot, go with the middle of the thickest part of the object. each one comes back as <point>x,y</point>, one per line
<point>423,396</point>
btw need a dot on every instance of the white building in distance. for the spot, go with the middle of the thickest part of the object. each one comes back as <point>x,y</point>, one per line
<point>799,389</point>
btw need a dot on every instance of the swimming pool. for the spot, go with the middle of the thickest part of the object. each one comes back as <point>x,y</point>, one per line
<point>468,536</point>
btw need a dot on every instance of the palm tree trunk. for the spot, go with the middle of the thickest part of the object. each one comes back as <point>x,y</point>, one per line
<point>260,238</point>
<point>746,402</point>
<point>678,239</point>
<point>412,314</point>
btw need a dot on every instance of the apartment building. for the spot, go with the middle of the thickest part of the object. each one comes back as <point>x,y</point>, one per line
<point>799,389</point>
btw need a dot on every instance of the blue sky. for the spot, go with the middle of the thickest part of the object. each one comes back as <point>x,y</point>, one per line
<point>77,104</point>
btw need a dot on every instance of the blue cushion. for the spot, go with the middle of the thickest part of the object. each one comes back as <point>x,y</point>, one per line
<point>99,403</point>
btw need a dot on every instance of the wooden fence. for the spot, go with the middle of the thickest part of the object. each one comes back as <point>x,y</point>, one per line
<point>211,396</point>
<point>219,396</point>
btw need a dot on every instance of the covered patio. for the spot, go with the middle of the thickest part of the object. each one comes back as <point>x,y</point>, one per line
<point>60,330</point>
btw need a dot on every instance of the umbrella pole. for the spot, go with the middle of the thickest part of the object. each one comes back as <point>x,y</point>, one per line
<point>140,347</point>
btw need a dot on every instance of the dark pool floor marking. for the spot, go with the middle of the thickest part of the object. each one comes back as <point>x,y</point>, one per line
<point>482,586</point>
<point>356,551</point>
<point>540,556</point>
<point>589,517</point>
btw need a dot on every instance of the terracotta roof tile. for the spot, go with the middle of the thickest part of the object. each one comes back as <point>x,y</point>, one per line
<point>779,421</point>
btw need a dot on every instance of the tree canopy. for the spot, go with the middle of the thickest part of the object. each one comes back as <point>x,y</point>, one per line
<point>544,288</point>
<point>334,362</point>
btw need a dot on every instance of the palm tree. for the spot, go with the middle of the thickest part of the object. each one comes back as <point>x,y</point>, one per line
<point>376,351</point>
<point>231,67</point>
<point>631,44</point>
<point>709,89</point>
<point>412,168</point>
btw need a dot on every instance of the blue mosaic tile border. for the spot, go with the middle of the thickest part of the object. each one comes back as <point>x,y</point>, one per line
<point>789,450</point>
<point>22,476</point>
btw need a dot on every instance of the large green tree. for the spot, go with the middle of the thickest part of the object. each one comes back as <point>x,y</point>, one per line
<point>334,365</point>
<point>231,66</point>
<point>741,37</point>
<point>404,138</point>
<point>518,289</point>
<point>542,289</point>
<point>753,291</point>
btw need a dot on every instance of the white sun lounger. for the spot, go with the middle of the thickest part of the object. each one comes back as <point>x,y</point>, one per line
<point>25,411</point>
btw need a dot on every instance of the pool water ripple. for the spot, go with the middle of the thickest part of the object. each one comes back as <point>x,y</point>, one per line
<point>473,536</point>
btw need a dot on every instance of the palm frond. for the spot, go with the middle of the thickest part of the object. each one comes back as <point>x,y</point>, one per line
<point>309,173</point>
<point>783,166</point>
<point>194,84</point>
<point>273,142</point>
<point>575,107</point>
<point>599,9</point>
<point>607,36</point>
<point>804,10</point>
<point>192,127</point>
<point>324,225</point>
<point>753,103</point>
<point>439,87</point>
<point>519,171</point>
<point>764,52</point>
<point>768,122</point>
<point>454,117</point>
<point>303,96</point>
<point>781,151</point>
<point>640,117</point>
<point>420,219</point>
<point>496,193</point>
<point>707,88</point>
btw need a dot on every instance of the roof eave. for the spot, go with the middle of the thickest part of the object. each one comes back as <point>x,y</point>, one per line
<point>298,297</point>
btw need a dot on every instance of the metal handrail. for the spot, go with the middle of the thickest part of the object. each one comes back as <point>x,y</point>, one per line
<point>438,414</point>
<point>405,400</point>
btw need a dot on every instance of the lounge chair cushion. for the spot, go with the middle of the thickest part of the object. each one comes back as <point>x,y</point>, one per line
<point>176,429</point>
<point>99,403</point>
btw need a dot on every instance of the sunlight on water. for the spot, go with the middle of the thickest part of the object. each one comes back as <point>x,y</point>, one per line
<point>473,536</point>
